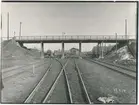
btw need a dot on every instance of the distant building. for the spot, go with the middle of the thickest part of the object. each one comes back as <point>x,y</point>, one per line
<point>48,53</point>
<point>57,52</point>
<point>74,51</point>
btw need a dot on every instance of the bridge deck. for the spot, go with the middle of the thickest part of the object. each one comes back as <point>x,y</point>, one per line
<point>73,39</point>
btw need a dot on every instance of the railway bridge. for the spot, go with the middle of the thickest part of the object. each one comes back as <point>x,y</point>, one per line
<point>100,39</point>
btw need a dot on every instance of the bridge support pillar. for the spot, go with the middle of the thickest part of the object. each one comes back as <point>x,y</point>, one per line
<point>80,47</point>
<point>21,44</point>
<point>42,50</point>
<point>62,50</point>
<point>97,50</point>
<point>102,50</point>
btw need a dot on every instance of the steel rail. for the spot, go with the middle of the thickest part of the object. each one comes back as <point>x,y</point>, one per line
<point>54,84</point>
<point>20,72</point>
<point>4,78</point>
<point>124,72</point>
<point>29,98</point>
<point>4,71</point>
<point>69,90</point>
<point>67,83</point>
<point>84,87</point>
<point>119,66</point>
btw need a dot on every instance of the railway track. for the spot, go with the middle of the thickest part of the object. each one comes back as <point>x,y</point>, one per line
<point>9,73</point>
<point>46,86</point>
<point>129,73</point>
<point>76,91</point>
<point>119,66</point>
<point>75,84</point>
<point>88,100</point>
<point>19,67</point>
<point>81,96</point>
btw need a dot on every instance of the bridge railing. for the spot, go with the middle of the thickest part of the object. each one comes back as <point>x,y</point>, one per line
<point>78,37</point>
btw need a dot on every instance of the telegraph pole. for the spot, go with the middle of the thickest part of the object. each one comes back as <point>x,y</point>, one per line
<point>105,47</point>
<point>116,42</point>
<point>20,30</point>
<point>14,33</point>
<point>8,26</point>
<point>126,28</point>
<point>1,21</point>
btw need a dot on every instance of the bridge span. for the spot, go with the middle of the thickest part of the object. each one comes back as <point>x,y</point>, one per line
<point>100,39</point>
<point>74,39</point>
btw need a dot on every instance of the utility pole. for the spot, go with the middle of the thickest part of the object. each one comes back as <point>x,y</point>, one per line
<point>126,28</point>
<point>105,47</point>
<point>102,49</point>
<point>116,42</point>
<point>1,21</point>
<point>14,33</point>
<point>8,26</point>
<point>20,30</point>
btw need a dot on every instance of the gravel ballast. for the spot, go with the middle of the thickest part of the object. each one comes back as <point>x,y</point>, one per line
<point>102,82</point>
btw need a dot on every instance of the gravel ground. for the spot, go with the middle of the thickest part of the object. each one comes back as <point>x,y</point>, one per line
<point>49,79</point>
<point>19,70</point>
<point>127,63</point>
<point>116,69</point>
<point>74,83</point>
<point>103,82</point>
<point>6,63</point>
<point>17,89</point>
<point>133,68</point>
<point>60,93</point>
<point>99,81</point>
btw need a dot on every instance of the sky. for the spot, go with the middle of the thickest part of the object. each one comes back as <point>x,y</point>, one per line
<point>78,18</point>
